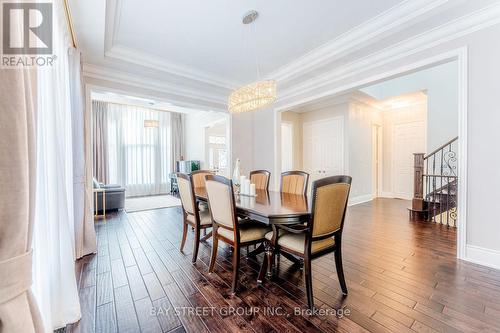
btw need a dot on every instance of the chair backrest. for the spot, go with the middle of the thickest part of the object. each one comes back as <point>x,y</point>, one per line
<point>261,179</point>
<point>329,205</point>
<point>294,182</point>
<point>221,201</point>
<point>186,192</point>
<point>199,177</point>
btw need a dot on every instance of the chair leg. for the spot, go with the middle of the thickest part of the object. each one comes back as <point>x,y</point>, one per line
<point>340,270</point>
<point>236,267</point>
<point>184,235</point>
<point>263,269</point>
<point>308,278</point>
<point>215,242</point>
<point>196,244</point>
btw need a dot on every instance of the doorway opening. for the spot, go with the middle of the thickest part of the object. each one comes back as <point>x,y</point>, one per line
<point>382,139</point>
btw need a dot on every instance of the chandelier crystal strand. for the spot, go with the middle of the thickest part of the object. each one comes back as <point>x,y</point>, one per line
<point>256,95</point>
<point>252,97</point>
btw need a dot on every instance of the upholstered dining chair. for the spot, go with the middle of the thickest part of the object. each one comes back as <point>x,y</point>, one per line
<point>192,216</point>
<point>321,235</point>
<point>199,177</point>
<point>294,182</point>
<point>261,179</point>
<point>199,181</point>
<point>226,226</point>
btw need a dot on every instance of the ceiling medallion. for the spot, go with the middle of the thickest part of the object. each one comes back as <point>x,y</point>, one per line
<point>256,95</point>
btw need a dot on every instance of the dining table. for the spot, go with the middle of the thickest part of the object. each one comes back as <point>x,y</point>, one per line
<point>268,207</point>
<point>271,208</point>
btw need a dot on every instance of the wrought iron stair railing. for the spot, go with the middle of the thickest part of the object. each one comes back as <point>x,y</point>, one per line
<point>435,185</point>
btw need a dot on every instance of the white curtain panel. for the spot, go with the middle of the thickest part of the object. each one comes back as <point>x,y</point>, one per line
<point>54,281</point>
<point>85,237</point>
<point>138,156</point>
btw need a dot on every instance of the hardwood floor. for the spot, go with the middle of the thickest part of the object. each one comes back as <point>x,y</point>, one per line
<point>402,277</point>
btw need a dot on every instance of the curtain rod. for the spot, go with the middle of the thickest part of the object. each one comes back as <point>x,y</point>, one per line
<point>70,23</point>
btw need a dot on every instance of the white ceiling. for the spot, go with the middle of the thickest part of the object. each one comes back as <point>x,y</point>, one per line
<point>194,52</point>
<point>206,39</point>
<point>208,35</point>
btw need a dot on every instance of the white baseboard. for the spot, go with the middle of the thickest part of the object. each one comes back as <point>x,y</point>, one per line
<point>389,195</point>
<point>482,256</point>
<point>360,199</point>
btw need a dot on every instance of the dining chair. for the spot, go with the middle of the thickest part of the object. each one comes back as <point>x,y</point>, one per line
<point>294,182</point>
<point>261,179</point>
<point>198,220</point>
<point>226,226</point>
<point>199,177</point>
<point>322,234</point>
<point>198,182</point>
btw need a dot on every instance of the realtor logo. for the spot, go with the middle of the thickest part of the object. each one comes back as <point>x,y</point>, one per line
<point>27,28</point>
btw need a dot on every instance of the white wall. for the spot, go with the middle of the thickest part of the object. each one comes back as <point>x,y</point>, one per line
<point>440,82</point>
<point>195,134</point>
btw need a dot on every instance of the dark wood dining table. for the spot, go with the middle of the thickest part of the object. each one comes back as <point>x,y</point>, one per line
<point>268,207</point>
<point>271,208</point>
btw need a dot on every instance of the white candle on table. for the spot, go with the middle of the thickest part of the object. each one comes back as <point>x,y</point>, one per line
<point>242,184</point>
<point>252,189</point>
<point>247,186</point>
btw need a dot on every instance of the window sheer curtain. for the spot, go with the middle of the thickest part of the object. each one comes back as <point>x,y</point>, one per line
<point>100,141</point>
<point>54,280</point>
<point>139,157</point>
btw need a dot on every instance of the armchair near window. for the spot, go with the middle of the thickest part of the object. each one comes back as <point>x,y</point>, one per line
<point>114,195</point>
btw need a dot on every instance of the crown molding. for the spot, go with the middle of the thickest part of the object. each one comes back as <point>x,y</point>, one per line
<point>120,77</point>
<point>115,51</point>
<point>357,37</point>
<point>462,26</point>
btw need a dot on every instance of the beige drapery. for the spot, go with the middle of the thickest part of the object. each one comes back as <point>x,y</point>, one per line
<point>18,309</point>
<point>100,140</point>
<point>177,142</point>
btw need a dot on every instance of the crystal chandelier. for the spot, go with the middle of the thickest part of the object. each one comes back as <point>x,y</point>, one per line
<point>256,95</point>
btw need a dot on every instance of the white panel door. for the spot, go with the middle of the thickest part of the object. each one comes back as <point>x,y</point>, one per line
<point>323,148</point>
<point>409,138</point>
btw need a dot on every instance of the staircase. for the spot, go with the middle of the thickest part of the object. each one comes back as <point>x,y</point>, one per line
<point>435,185</point>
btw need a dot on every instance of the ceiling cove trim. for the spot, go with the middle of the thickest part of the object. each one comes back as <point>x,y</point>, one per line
<point>470,23</point>
<point>116,51</point>
<point>104,73</point>
<point>389,20</point>
<point>147,60</point>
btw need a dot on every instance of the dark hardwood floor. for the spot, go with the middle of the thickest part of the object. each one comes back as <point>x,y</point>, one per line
<point>402,277</point>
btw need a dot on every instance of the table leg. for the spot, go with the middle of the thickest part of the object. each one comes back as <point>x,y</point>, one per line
<point>270,259</point>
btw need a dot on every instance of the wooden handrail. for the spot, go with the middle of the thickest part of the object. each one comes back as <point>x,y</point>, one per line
<point>441,147</point>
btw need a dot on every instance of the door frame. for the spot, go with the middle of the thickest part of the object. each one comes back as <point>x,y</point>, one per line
<point>461,56</point>
<point>292,146</point>
<point>226,121</point>
<point>378,135</point>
